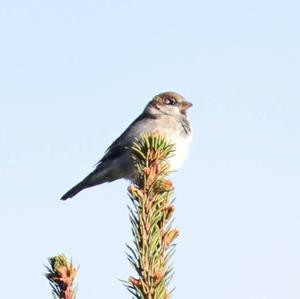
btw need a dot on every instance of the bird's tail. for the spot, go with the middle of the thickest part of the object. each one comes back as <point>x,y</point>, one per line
<point>76,189</point>
<point>96,177</point>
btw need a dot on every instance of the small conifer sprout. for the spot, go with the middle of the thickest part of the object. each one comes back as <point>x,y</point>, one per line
<point>61,275</point>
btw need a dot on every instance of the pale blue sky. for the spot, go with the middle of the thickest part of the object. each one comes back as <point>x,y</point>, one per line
<point>74,74</point>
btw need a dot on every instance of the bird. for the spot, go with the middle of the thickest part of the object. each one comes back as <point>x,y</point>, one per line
<point>166,114</point>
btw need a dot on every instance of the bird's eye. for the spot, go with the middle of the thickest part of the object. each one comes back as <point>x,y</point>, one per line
<point>170,102</point>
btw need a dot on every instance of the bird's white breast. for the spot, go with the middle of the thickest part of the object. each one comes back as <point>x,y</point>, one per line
<point>182,146</point>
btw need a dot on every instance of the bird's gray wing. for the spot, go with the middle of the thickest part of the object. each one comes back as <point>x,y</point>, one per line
<point>125,140</point>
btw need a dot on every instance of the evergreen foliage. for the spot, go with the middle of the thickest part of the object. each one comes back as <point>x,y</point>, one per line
<point>61,275</point>
<point>151,219</point>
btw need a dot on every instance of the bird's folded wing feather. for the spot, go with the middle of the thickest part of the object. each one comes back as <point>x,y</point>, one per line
<point>125,140</point>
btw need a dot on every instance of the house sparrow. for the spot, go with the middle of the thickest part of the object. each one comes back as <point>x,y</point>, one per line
<point>166,114</point>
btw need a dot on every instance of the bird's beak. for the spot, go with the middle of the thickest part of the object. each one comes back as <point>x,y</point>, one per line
<point>185,105</point>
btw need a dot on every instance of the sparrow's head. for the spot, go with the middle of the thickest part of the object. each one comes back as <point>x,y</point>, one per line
<point>170,103</point>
